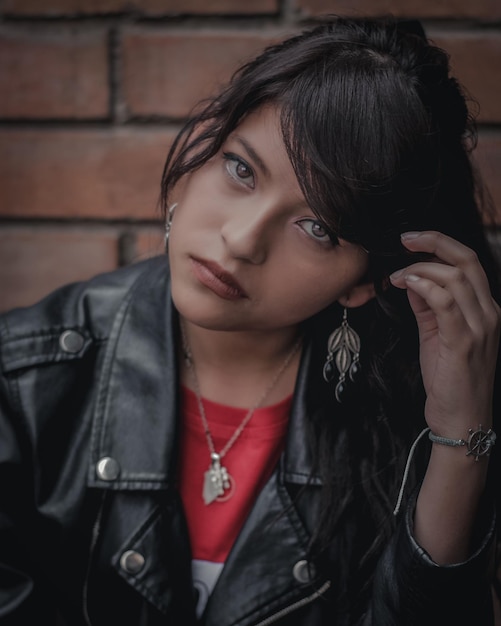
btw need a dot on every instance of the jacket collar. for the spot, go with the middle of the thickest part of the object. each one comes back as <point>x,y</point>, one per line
<point>297,462</point>
<point>138,398</point>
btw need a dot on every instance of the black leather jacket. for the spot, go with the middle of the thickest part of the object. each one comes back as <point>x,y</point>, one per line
<point>91,524</point>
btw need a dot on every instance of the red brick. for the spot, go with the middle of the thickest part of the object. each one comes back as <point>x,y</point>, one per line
<point>53,74</point>
<point>488,157</point>
<point>34,262</point>
<point>54,8</point>
<point>167,73</point>
<point>456,9</point>
<point>476,61</point>
<point>103,174</point>
<point>166,7</point>
<point>149,242</point>
<point>148,7</point>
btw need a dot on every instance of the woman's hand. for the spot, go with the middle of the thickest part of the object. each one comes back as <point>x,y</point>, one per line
<point>459,327</point>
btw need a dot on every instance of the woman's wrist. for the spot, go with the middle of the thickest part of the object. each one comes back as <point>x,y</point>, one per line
<point>478,441</point>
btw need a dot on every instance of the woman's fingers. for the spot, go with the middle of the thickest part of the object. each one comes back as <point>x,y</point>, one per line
<point>458,324</point>
<point>458,272</point>
<point>451,297</point>
<point>446,290</point>
<point>455,254</point>
<point>438,309</point>
<point>453,305</point>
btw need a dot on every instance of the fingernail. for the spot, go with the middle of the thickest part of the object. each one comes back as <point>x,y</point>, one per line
<point>412,234</point>
<point>396,274</point>
<point>411,278</point>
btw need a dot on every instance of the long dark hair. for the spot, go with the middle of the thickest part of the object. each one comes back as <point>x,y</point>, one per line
<point>379,135</point>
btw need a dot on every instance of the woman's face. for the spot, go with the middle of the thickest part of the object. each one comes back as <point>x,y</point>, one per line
<point>246,251</point>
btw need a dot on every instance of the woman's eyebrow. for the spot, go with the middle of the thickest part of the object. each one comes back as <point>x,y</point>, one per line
<point>252,154</point>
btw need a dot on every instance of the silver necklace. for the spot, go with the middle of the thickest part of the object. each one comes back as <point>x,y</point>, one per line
<point>219,485</point>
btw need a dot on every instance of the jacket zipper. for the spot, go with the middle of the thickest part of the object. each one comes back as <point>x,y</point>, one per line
<point>297,605</point>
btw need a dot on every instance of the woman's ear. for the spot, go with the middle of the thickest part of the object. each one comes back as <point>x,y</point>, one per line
<point>358,295</point>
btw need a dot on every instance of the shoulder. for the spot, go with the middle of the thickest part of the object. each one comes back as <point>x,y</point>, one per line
<point>66,322</point>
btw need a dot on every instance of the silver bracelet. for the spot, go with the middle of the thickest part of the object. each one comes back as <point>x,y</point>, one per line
<point>479,442</point>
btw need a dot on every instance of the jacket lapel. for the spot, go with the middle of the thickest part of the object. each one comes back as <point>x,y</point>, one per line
<point>267,569</point>
<point>137,401</point>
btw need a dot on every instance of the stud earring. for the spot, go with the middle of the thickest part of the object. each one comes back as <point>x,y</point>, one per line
<point>343,354</point>
<point>168,223</point>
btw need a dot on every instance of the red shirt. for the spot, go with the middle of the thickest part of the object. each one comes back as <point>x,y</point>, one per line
<point>250,462</point>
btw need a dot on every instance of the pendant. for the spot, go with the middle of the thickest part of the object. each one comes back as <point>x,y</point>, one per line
<point>216,481</point>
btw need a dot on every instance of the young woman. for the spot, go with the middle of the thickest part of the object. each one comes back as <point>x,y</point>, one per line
<point>287,419</point>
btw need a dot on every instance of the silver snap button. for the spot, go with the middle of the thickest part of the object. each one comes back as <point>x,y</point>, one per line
<point>132,562</point>
<point>71,341</point>
<point>303,572</point>
<point>107,468</point>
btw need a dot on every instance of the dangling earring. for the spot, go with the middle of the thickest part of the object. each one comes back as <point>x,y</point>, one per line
<point>168,223</point>
<point>344,354</point>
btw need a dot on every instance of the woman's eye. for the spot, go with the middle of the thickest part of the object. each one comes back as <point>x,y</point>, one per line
<point>316,230</point>
<point>238,169</point>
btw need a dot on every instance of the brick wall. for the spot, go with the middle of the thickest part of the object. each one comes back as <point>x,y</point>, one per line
<point>92,92</point>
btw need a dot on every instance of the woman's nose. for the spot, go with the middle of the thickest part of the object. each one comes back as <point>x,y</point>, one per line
<point>247,233</point>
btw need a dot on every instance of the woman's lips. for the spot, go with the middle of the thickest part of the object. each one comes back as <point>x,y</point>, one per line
<point>218,280</point>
